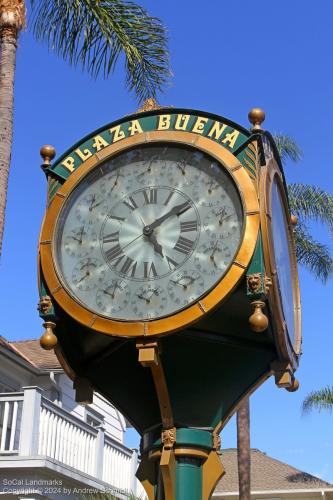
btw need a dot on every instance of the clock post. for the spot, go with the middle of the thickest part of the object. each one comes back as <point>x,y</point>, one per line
<point>168,281</point>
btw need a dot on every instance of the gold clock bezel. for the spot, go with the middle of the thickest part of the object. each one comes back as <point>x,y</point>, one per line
<point>192,313</point>
<point>288,350</point>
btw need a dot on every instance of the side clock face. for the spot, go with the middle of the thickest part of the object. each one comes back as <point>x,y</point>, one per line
<point>147,233</point>
<point>283,260</point>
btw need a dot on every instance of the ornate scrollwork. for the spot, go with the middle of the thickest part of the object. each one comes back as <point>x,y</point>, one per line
<point>169,438</point>
<point>45,305</point>
<point>217,443</point>
<point>254,282</point>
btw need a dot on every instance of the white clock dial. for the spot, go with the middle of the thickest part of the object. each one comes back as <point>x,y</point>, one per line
<point>87,274</point>
<point>139,243</point>
<point>225,218</point>
<point>113,296</point>
<point>185,287</point>
<point>115,185</point>
<point>80,241</point>
<point>149,301</point>
<point>91,208</point>
<point>154,215</point>
<point>213,257</point>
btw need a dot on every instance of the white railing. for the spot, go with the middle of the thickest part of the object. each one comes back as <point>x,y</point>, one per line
<point>66,439</point>
<point>10,420</point>
<point>31,425</point>
<point>117,466</point>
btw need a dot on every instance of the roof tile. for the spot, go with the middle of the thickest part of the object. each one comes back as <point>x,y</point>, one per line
<point>266,474</point>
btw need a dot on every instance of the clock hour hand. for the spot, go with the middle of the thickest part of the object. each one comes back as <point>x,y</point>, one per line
<point>176,210</point>
<point>157,247</point>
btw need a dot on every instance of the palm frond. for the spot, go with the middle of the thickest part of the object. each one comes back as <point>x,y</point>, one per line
<point>95,33</point>
<point>287,148</point>
<point>313,255</point>
<point>319,400</point>
<point>311,202</point>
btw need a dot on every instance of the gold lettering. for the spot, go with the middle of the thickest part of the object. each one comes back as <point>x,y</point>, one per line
<point>231,138</point>
<point>163,122</point>
<point>118,134</point>
<point>199,125</point>
<point>69,163</point>
<point>182,122</point>
<point>135,127</point>
<point>83,155</point>
<point>99,142</point>
<point>217,130</point>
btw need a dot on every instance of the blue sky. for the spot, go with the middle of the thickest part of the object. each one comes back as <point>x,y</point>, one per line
<point>226,58</point>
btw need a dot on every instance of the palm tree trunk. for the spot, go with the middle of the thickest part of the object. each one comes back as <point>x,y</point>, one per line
<point>244,451</point>
<point>12,18</point>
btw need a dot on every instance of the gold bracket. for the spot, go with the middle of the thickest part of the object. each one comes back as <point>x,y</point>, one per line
<point>283,373</point>
<point>212,471</point>
<point>149,357</point>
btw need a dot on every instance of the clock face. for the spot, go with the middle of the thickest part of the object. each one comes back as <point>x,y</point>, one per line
<point>147,233</point>
<point>283,260</point>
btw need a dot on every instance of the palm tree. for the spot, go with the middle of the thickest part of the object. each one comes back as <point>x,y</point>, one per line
<point>319,400</point>
<point>92,34</point>
<point>308,203</point>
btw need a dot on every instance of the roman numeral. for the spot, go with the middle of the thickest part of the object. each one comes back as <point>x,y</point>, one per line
<point>129,267</point>
<point>130,203</point>
<point>171,263</point>
<point>109,238</point>
<point>184,245</point>
<point>117,218</point>
<point>150,196</point>
<point>191,225</point>
<point>169,198</point>
<point>149,270</point>
<point>114,253</point>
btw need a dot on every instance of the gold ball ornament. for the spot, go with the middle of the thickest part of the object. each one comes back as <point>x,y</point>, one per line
<point>256,117</point>
<point>258,320</point>
<point>47,152</point>
<point>48,340</point>
<point>294,386</point>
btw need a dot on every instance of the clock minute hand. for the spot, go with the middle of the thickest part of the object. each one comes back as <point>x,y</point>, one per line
<point>176,210</point>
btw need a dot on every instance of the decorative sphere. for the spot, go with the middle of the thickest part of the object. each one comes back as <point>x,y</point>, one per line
<point>48,340</point>
<point>256,117</point>
<point>47,152</point>
<point>258,320</point>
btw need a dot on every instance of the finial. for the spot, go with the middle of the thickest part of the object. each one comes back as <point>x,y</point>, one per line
<point>256,117</point>
<point>258,320</point>
<point>294,386</point>
<point>47,152</point>
<point>149,105</point>
<point>48,340</point>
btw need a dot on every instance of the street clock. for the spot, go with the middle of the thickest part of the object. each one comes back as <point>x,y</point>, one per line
<point>147,238</point>
<point>168,281</point>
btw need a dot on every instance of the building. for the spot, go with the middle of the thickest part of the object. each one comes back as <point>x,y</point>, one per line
<point>270,479</point>
<point>51,446</point>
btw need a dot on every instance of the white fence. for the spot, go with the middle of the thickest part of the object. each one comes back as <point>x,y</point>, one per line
<point>10,421</point>
<point>31,425</point>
